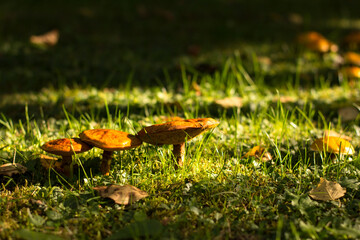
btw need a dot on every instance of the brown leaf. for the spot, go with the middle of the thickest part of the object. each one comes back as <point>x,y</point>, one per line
<point>125,194</point>
<point>327,190</point>
<point>162,119</point>
<point>348,113</point>
<point>331,133</point>
<point>284,99</point>
<point>295,18</point>
<point>9,169</point>
<point>259,153</point>
<point>194,50</point>
<point>51,162</point>
<point>230,102</point>
<point>50,38</point>
<point>197,88</point>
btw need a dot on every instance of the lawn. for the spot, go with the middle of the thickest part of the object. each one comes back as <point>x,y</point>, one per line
<point>126,65</point>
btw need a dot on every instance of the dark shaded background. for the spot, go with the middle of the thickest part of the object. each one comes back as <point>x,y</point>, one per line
<point>107,43</point>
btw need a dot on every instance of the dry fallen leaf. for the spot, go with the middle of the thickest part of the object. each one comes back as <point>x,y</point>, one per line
<point>50,38</point>
<point>125,194</point>
<point>230,102</point>
<point>295,18</point>
<point>193,50</point>
<point>284,99</point>
<point>162,119</point>
<point>197,88</point>
<point>51,162</point>
<point>9,169</point>
<point>331,133</point>
<point>259,153</point>
<point>327,190</point>
<point>348,113</point>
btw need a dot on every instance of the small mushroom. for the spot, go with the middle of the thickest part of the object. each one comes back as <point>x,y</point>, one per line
<point>176,133</point>
<point>109,140</point>
<point>351,72</point>
<point>352,58</point>
<point>66,147</point>
<point>332,145</point>
<point>317,42</point>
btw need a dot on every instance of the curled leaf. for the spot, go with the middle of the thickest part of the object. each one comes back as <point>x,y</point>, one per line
<point>125,194</point>
<point>331,133</point>
<point>259,153</point>
<point>49,38</point>
<point>230,102</point>
<point>349,113</point>
<point>327,190</point>
<point>52,163</point>
<point>9,169</point>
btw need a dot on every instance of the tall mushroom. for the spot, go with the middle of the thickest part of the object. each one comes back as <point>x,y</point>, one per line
<point>66,147</point>
<point>332,145</point>
<point>176,133</point>
<point>109,140</point>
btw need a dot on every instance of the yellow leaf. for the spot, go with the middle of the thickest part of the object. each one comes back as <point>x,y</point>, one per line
<point>327,190</point>
<point>230,102</point>
<point>125,194</point>
<point>259,153</point>
<point>331,133</point>
<point>9,169</point>
<point>50,38</point>
<point>51,162</point>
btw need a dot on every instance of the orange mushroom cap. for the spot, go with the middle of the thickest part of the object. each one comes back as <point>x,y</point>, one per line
<point>109,139</point>
<point>66,146</point>
<point>176,132</point>
<point>351,72</point>
<point>317,42</point>
<point>332,145</point>
<point>309,37</point>
<point>352,58</point>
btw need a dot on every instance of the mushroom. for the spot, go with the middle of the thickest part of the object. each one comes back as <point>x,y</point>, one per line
<point>351,72</point>
<point>316,42</point>
<point>352,58</point>
<point>332,145</point>
<point>176,133</point>
<point>109,140</point>
<point>66,147</point>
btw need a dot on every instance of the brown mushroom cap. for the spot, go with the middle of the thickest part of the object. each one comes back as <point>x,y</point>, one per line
<point>176,132</point>
<point>332,145</point>
<point>109,139</point>
<point>66,146</point>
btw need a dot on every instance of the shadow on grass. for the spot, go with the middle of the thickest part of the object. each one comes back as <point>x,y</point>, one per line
<point>102,43</point>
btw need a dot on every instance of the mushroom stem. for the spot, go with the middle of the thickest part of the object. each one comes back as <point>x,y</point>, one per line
<point>105,162</point>
<point>67,166</point>
<point>179,154</point>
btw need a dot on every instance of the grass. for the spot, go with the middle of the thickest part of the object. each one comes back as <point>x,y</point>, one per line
<point>289,96</point>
